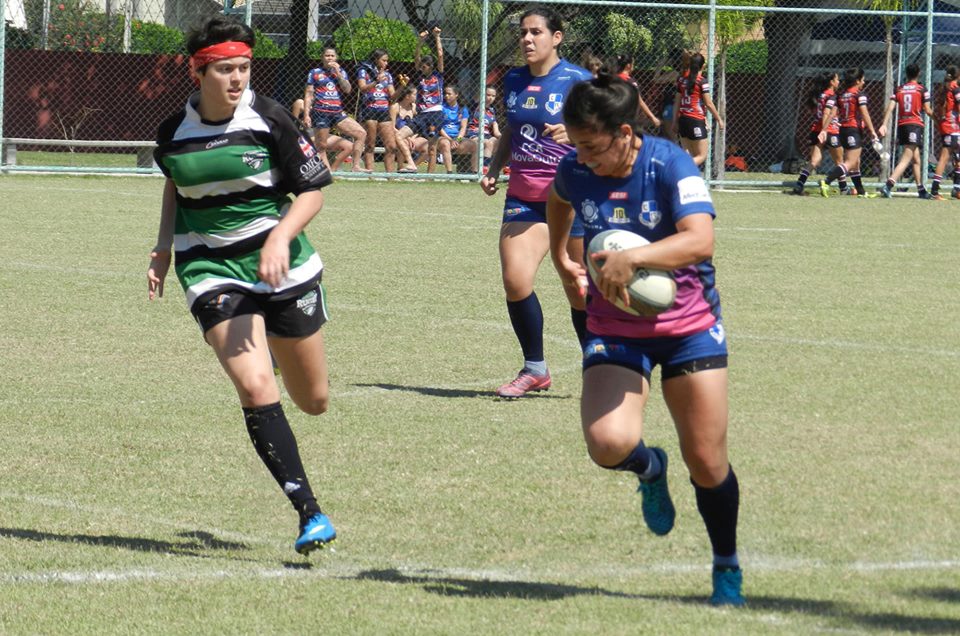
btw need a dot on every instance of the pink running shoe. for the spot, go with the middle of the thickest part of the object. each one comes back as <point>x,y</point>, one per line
<point>524,383</point>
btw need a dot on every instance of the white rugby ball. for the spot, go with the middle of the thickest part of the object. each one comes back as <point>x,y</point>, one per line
<point>652,291</point>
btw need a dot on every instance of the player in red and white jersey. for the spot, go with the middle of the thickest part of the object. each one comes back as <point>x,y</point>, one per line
<point>911,100</point>
<point>854,119</point>
<point>949,133</point>
<point>825,128</point>
<point>689,110</point>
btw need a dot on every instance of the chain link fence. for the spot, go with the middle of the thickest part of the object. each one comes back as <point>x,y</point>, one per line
<point>86,82</point>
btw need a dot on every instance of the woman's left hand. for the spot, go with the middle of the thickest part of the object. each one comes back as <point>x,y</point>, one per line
<point>274,260</point>
<point>616,271</point>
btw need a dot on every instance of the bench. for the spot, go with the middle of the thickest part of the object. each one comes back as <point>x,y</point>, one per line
<point>144,148</point>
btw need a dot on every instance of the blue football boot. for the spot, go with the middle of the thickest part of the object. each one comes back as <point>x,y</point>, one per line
<point>658,510</point>
<point>315,533</point>
<point>727,585</point>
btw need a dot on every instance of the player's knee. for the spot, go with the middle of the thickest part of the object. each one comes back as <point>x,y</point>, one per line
<point>257,388</point>
<point>314,405</point>
<point>389,146</point>
<point>707,465</point>
<point>606,448</point>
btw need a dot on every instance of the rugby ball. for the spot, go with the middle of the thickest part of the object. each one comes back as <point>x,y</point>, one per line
<point>652,291</point>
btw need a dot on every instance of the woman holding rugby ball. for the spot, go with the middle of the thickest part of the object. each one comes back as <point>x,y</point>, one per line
<point>618,178</point>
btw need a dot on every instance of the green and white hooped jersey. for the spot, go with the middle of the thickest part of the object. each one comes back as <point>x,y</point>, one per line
<point>233,183</point>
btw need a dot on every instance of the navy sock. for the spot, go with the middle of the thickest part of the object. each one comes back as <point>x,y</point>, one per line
<point>719,508</point>
<point>277,447</point>
<point>802,179</point>
<point>579,318</point>
<point>526,316</point>
<point>642,461</point>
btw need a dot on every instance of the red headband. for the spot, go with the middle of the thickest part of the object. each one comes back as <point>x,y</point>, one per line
<point>221,51</point>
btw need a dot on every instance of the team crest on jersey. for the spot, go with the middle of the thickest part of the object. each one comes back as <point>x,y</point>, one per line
<point>308,303</point>
<point>619,216</point>
<point>306,147</point>
<point>555,103</point>
<point>589,210</point>
<point>512,99</point>
<point>649,214</point>
<point>530,104</point>
<point>255,158</point>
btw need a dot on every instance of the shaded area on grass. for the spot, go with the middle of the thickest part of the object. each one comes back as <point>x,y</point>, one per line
<point>485,588</point>
<point>844,613</point>
<point>456,393</point>
<point>196,542</point>
<point>943,594</point>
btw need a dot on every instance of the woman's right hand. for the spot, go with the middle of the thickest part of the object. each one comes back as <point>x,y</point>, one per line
<point>157,272</point>
<point>489,183</point>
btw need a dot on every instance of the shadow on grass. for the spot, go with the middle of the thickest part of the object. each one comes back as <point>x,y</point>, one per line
<point>844,613</point>
<point>449,586</point>
<point>195,543</point>
<point>456,393</point>
<point>943,594</point>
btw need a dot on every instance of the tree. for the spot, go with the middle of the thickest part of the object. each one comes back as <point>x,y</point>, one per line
<point>418,13</point>
<point>785,34</point>
<point>731,27</point>
<point>888,20</point>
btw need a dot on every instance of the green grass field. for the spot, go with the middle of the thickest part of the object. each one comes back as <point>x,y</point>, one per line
<point>132,501</point>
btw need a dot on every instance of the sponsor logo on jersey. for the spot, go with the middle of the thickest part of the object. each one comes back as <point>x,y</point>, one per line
<point>530,104</point>
<point>312,167</point>
<point>589,210</point>
<point>619,216</point>
<point>618,196</point>
<point>217,142</point>
<point>693,190</point>
<point>534,89</point>
<point>512,100</point>
<point>512,211</point>
<point>649,214</point>
<point>308,303</point>
<point>255,158</point>
<point>527,131</point>
<point>554,103</point>
<point>306,147</point>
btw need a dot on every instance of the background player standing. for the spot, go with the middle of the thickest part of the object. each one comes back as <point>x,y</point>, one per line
<point>910,100</point>
<point>533,142</point>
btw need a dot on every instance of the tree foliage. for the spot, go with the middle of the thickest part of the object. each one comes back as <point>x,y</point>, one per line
<point>357,38</point>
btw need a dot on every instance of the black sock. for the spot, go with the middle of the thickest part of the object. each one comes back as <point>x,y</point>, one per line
<point>836,172</point>
<point>526,316</point>
<point>642,461</point>
<point>935,186</point>
<point>579,318</point>
<point>802,179</point>
<point>277,447</point>
<point>719,507</point>
<point>857,181</point>
<point>890,184</point>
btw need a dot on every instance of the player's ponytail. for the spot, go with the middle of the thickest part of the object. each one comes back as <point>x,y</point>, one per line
<point>950,74</point>
<point>851,76</point>
<point>696,63</point>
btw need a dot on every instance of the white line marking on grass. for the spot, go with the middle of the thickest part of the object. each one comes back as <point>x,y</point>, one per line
<point>756,229</point>
<point>847,344</point>
<point>336,569</point>
<point>62,269</point>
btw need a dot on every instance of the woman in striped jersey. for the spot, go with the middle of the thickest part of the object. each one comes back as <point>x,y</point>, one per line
<point>251,278</point>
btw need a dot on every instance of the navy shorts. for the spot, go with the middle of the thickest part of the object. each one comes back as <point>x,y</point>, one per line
<point>326,120</point>
<point>909,134</point>
<point>520,211</point>
<point>676,356</point>
<point>374,114</point>
<point>428,124</point>
<point>293,317</point>
<point>692,128</point>
<point>850,138</point>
